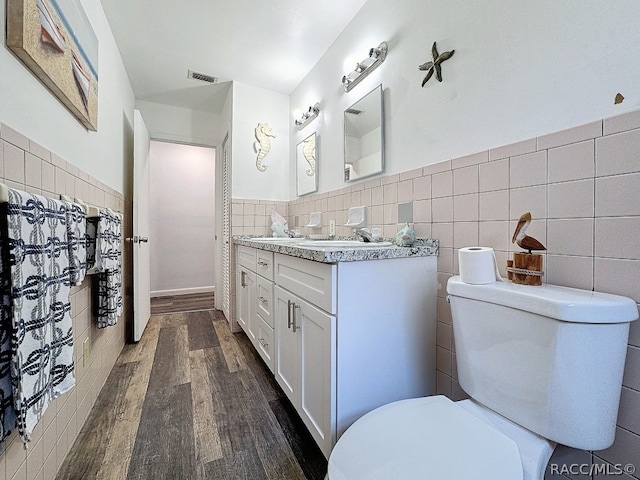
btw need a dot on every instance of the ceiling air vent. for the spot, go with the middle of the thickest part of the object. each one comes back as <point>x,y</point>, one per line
<point>353,111</point>
<point>202,77</point>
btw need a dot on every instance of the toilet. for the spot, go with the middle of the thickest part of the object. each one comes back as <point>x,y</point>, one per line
<point>541,364</point>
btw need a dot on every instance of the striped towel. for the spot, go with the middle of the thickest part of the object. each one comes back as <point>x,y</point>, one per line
<point>42,366</point>
<point>109,265</point>
<point>8,419</point>
<point>90,241</point>
<point>77,242</point>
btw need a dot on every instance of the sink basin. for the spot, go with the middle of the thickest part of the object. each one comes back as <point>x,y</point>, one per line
<point>344,244</point>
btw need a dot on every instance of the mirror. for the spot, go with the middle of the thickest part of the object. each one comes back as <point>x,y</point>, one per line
<point>307,166</point>
<point>364,137</point>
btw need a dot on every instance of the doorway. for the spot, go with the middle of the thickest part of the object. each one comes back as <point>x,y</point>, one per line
<point>182,214</point>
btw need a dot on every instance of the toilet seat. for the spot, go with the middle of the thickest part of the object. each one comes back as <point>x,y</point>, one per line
<point>423,438</point>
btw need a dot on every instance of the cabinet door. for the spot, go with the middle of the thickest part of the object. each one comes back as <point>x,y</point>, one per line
<point>245,300</point>
<point>316,331</point>
<point>287,356</point>
<point>266,342</point>
<point>264,299</point>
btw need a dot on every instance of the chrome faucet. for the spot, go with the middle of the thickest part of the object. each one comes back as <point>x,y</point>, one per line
<point>363,234</point>
<point>292,234</point>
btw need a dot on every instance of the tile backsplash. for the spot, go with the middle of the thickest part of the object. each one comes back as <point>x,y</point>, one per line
<point>27,166</point>
<point>582,187</point>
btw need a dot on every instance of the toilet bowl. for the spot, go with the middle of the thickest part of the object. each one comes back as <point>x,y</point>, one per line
<point>528,357</point>
<point>435,438</point>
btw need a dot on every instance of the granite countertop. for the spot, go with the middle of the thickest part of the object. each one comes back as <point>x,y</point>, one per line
<point>303,248</point>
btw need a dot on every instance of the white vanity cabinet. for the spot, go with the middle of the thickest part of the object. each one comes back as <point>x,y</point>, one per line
<point>353,336</point>
<point>254,300</point>
<point>348,336</point>
<point>306,344</point>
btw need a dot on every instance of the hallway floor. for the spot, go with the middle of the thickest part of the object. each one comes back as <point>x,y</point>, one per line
<point>192,400</point>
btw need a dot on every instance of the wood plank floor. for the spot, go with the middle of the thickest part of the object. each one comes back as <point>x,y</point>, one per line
<point>193,302</point>
<point>192,400</point>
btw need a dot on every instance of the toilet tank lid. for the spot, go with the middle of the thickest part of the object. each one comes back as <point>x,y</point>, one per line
<point>562,303</point>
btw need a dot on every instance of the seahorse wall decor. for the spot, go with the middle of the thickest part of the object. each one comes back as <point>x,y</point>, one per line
<point>309,152</point>
<point>262,145</point>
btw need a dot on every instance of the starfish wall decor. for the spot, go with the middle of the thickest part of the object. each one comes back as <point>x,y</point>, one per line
<point>434,66</point>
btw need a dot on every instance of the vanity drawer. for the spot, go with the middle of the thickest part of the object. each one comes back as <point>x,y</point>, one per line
<point>265,264</point>
<point>313,281</point>
<point>246,256</point>
<point>264,298</point>
<point>265,339</point>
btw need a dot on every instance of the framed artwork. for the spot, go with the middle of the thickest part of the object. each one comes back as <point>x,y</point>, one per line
<point>55,40</point>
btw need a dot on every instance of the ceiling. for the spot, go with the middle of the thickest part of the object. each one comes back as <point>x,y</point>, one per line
<point>271,44</point>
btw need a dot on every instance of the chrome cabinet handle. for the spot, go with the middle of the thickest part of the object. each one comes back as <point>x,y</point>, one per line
<point>263,343</point>
<point>242,277</point>
<point>263,264</point>
<point>289,303</point>
<point>262,299</point>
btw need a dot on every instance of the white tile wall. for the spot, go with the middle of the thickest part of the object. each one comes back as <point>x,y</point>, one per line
<point>25,165</point>
<point>494,205</point>
<point>528,199</point>
<point>571,135</point>
<point>571,199</point>
<point>528,170</point>
<point>570,236</point>
<point>571,162</point>
<point>494,175</point>
<point>465,208</point>
<point>442,184</point>
<point>570,271</point>
<point>465,180</point>
<point>617,236</point>
<point>618,153</point>
<point>617,196</point>
<point>582,189</point>
<point>512,150</point>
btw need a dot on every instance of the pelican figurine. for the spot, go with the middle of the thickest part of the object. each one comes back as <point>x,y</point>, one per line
<point>525,241</point>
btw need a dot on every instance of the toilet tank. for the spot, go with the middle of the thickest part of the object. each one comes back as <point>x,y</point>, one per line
<point>548,358</point>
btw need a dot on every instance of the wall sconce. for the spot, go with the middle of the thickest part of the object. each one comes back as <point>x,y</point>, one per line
<point>308,116</point>
<point>364,68</point>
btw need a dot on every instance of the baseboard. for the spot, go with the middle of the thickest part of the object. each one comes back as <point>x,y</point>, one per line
<point>182,291</point>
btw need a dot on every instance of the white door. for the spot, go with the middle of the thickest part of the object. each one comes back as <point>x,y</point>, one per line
<point>140,239</point>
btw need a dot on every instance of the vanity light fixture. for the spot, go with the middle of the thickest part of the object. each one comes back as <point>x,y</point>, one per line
<point>377,55</point>
<point>308,116</point>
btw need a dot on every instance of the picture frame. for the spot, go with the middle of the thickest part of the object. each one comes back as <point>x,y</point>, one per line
<point>55,40</point>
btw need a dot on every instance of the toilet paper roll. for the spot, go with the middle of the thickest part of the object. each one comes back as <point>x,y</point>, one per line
<point>478,265</point>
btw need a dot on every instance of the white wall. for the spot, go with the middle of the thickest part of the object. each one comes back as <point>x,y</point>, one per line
<point>520,69</point>
<point>253,105</point>
<point>182,125</point>
<point>27,106</point>
<point>182,218</point>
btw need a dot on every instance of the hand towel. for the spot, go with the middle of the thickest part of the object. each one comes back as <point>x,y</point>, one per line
<point>8,419</point>
<point>109,264</point>
<point>77,242</point>
<point>42,366</point>
<point>90,240</point>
